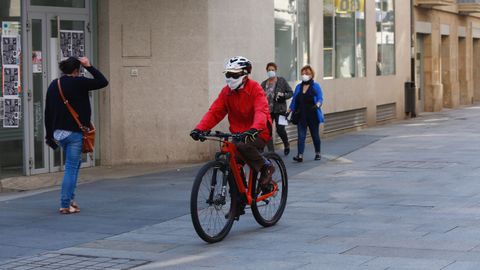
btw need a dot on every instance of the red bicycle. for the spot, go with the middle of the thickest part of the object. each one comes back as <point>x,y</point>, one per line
<point>221,191</point>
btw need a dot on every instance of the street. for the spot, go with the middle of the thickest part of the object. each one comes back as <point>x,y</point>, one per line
<point>398,196</point>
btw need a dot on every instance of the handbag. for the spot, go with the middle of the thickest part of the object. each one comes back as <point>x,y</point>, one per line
<point>88,132</point>
<point>295,117</point>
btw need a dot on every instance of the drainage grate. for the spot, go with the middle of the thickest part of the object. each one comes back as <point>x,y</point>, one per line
<point>415,164</point>
<point>66,261</point>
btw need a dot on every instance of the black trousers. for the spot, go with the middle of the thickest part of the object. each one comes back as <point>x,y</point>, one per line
<point>251,153</point>
<point>280,131</point>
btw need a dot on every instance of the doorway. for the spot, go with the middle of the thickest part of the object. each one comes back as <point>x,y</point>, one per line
<point>419,73</point>
<point>476,69</point>
<point>50,38</point>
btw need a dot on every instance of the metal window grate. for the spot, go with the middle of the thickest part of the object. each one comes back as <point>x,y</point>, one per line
<point>386,112</point>
<point>336,121</point>
<point>345,120</point>
<point>291,133</point>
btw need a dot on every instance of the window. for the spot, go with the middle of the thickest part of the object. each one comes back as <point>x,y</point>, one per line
<point>385,20</point>
<point>11,123</point>
<point>59,3</point>
<point>344,38</point>
<point>291,37</point>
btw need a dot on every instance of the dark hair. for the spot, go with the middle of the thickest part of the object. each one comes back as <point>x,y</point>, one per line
<point>69,65</point>
<point>271,64</point>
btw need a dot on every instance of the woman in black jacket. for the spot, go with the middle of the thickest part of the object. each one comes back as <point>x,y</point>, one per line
<point>60,125</point>
<point>278,91</point>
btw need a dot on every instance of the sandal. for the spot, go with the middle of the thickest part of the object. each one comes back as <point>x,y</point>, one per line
<point>69,210</point>
<point>75,205</point>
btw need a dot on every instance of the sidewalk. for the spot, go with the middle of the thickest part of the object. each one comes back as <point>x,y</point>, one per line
<point>400,196</point>
<point>332,148</point>
<point>49,180</point>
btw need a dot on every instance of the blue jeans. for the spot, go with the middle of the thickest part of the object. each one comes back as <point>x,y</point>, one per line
<point>314,128</point>
<point>72,150</point>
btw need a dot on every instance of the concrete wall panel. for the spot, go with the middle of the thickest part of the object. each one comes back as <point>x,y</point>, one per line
<point>165,61</point>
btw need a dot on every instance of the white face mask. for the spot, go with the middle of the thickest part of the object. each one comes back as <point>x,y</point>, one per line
<point>234,83</point>
<point>271,74</point>
<point>306,78</point>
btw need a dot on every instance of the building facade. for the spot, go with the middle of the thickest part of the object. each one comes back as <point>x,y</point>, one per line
<point>164,60</point>
<point>447,53</point>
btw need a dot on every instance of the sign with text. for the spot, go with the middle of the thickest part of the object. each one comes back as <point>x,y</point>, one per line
<point>349,6</point>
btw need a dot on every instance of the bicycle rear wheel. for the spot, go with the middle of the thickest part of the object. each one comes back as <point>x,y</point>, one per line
<point>268,212</point>
<point>211,205</point>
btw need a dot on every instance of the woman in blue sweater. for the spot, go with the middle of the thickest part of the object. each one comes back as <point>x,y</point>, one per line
<point>60,125</point>
<point>306,108</point>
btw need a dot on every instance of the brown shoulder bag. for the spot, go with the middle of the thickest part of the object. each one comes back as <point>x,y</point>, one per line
<point>88,132</point>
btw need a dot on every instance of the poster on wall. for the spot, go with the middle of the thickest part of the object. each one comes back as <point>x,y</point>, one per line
<point>78,44</point>
<point>10,50</point>
<point>11,80</point>
<point>10,28</point>
<point>37,61</point>
<point>11,112</point>
<point>65,43</point>
<point>72,43</point>
<point>1,108</point>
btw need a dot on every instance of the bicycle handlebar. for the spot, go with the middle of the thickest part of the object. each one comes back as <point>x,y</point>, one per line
<point>219,134</point>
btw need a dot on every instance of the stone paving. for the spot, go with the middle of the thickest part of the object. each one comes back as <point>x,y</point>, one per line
<point>59,261</point>
<point>409,198</point>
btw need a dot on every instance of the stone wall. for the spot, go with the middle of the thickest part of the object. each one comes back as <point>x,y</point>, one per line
<point>449,51</point>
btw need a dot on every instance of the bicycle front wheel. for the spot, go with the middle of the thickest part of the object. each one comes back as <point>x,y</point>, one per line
<point>268,212</point>
<point>211,205</point>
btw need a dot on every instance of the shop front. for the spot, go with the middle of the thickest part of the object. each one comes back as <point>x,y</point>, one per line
<point>36,35</point>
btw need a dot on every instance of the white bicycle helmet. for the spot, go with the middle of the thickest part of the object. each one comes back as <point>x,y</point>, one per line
<point>238,64</point>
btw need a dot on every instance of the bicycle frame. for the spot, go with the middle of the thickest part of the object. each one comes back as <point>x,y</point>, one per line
<point>228,148</point>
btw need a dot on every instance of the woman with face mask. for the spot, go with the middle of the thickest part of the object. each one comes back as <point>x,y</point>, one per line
<point>278,92</point>
<point>306,108</point>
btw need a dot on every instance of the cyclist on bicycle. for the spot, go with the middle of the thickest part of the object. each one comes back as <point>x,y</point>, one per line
<point>244,100</point>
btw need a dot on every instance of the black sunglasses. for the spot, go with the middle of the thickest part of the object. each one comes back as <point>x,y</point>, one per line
<point>234,75</point>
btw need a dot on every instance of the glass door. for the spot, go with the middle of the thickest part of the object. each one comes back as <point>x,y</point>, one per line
<point>51,38</point>
<point>37,85</point>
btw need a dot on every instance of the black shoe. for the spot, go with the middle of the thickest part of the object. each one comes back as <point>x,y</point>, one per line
<point>266,175</point>
<point>266,188</point>
<point>240,211</point>
<point>286,151</point>
<point>298,159</point>
<point>318,157</point>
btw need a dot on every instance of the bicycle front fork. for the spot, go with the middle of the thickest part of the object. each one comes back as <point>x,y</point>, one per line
<point>219,199</point>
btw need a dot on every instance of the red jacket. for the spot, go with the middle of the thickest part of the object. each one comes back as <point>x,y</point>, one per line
<point>246,108</point>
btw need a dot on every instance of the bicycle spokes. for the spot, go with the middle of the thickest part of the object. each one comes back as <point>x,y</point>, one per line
<point>266,197</point>
<point>269,204</point>
<point>220,192</point>
<point>211,204</point>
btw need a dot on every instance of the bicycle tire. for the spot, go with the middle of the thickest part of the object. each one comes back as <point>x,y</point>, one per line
<point>265,212</point>
<point>223,218</point>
